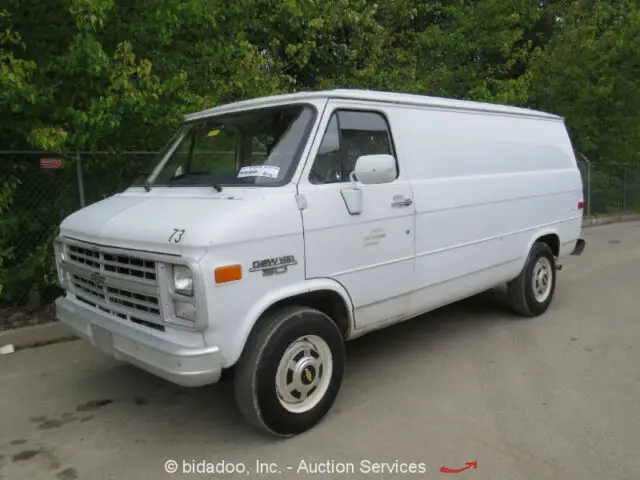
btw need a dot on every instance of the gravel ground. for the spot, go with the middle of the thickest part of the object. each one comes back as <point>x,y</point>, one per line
<point>555,397</point>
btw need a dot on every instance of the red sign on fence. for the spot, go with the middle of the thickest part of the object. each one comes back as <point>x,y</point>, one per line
<point>50,163</point>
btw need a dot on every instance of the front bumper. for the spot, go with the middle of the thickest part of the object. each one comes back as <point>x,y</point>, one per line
<point>189,367</point>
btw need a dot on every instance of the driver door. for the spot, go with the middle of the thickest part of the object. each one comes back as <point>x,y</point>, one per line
<point>371,254</point>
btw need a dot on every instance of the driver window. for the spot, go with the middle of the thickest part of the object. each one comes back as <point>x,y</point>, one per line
<point>327,167</point>
<point>349,135</point>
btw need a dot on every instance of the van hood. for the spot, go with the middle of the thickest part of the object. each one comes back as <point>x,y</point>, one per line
<point>185,222</point>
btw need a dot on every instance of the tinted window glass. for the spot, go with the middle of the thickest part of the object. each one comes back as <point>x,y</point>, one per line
<point>258,147</point>
<point>349,135</point>
<point>327,167</point>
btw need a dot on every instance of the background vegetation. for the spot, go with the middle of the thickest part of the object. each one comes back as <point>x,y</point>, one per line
<point>116,75</point>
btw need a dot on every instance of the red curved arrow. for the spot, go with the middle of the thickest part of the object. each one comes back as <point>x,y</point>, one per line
<point>467,467</point>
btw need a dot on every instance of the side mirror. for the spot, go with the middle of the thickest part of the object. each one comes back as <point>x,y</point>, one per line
<point>369,170</point>
<point>375,169</point>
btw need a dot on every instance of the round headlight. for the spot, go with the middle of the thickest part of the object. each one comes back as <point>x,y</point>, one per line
<point>182,280</point>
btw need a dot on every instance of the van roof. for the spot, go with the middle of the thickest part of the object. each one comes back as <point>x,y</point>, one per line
<point>371,95</point>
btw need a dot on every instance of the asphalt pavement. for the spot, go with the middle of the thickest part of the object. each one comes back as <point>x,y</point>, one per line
<point>467,387</point>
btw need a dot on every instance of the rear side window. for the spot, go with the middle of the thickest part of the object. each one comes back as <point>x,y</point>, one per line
<point>349,135</point>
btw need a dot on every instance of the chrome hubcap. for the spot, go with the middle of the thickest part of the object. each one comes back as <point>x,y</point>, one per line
<point>542,279</point>
<point>304,373</point>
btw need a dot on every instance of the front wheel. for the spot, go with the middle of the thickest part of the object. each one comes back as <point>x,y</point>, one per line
<point>291,371</point>
<point>532,291</point>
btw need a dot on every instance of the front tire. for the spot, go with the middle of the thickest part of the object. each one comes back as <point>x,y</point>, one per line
<point>530,294</point>
<point>291,371</point>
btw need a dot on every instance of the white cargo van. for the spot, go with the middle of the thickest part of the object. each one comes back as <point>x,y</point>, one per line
<point>273,230</point>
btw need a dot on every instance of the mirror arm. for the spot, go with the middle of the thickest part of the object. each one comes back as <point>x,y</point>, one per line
<point>354,182</point>
<point>352,196</point>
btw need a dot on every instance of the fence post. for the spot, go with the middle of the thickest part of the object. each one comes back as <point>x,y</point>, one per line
<point>80,178</point>
<point>624,188</point>
<point>588,184</point>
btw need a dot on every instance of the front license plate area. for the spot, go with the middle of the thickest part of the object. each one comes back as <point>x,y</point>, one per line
<point>102,339</point>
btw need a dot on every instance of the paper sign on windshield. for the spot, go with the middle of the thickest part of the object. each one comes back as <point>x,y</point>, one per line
<point>268,171</point>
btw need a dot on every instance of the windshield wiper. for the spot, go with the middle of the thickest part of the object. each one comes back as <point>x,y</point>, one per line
<point>145,184</point>
<point>217,187</point>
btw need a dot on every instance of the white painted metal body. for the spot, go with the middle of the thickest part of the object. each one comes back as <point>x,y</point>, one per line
<point>481,184</point>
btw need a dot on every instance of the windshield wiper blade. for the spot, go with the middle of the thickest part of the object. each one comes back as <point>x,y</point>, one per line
<point>217,187</point>
<point>145,184</point>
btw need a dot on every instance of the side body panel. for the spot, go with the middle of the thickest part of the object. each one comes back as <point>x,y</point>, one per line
<point>370,254</point>
<point>276,235</point>
<point>486,186</point>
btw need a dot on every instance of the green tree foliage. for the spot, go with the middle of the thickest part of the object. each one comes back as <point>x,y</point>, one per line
<point>589,72</point>
<point>116,75</point>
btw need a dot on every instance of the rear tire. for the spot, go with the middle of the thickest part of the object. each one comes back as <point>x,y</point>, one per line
<point>531,293</point>
<point>291,371</point>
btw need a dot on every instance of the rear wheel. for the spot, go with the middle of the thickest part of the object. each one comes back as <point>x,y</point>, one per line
<point>291,371</point>
<point>531,293</point>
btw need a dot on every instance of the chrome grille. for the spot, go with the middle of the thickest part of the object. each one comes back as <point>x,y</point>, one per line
<point>122,265</point>
<point>119,284</point>
<point>116,296</point>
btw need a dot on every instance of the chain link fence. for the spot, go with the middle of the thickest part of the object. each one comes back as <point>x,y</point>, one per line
<point>38,190</point>
<point>610,187</point>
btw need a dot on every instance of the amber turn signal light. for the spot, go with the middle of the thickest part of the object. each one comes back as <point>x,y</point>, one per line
<point>228,273</point>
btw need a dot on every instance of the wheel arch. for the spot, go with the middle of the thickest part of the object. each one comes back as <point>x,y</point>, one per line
<point>549,236</point>
<point>324,294</point>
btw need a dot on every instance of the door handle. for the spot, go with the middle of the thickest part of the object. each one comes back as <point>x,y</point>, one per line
<point>405,202</point>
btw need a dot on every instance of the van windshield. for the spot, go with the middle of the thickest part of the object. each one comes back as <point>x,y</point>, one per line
<point>259,147</point>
